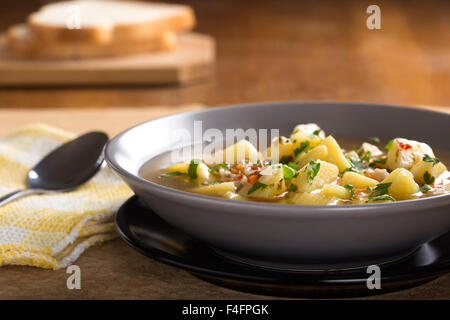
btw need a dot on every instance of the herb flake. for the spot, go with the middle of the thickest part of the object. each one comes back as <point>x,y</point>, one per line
<point>384,197</point>
<point>424,188</point>
<point>303,146</point>
<point>381,189</point>
<point>288,172</point>
<point>257,185</point>
<point>427,158</point>
<point>192,170</point>
<point>429,179</point>
<point>311,170</point>
<point>173,174</point>
<point>389,144</point>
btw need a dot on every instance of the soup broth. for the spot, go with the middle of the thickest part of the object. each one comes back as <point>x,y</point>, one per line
<point>311,169</point>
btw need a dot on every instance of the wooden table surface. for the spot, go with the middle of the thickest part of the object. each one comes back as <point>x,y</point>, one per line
<point>267,50</point>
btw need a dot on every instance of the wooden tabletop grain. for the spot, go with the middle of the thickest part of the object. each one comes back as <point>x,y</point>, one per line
<point>267,50</point>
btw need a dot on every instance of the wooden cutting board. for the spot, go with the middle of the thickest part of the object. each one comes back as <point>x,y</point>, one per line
<point>193,59</point>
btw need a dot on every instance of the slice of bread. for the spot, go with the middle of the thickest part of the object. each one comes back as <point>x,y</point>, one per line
<point>107,21</point>
<point>21,44</point>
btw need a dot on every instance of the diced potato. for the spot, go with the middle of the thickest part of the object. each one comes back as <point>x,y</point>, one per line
<point>419,169</point>
<point>305,132</point>
<point>403,184</point>
<point>224,189</point>
<point>337,191</point>
<point>358,180</point>
<point>285,148</point>
<point>373,149</point>
<point>241,151</point>
<point>405,153</point>
<point>305,198</point>
<point>202,170</point>
<point>327,173</point>
<point>335,154</point>
<point>317,153</point>
<point>275,185</point>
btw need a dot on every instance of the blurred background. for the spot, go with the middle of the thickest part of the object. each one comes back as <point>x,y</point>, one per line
<point>287,50</point>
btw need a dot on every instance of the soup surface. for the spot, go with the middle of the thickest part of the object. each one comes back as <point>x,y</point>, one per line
<point>310,168</point>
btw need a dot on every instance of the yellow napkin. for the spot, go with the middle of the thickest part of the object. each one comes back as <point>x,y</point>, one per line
<point>51,231</point>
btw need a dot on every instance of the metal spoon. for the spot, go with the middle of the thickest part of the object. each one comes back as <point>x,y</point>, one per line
<point>65,168</point>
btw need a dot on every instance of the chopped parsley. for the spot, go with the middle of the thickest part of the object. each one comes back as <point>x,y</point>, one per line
<point>292,188</point>
<point>358,165</point>
<point>429,179</point>
<point>351,169</point>
<point>427,158</point>
<point>192,170</point>
<point>389,144</point>
<point>293,165</point>
<point>384,197</point>
<point>257,185</point>
<point>173,174</point>
<point>303,146</point>
<point>424,188</point>
<point>381,189</point>
<point>315,133</point>
<point>288,172</point>
<point>311,170</point>
<point>350,188</point>
<point>217,167</point>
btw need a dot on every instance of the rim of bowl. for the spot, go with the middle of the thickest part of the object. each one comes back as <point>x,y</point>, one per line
<point>432,201</point>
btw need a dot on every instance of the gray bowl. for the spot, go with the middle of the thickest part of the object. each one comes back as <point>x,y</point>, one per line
<point>292,236</point>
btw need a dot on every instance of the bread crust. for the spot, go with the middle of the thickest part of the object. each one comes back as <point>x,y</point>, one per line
<point>111,33</point>
<point>22,44</point>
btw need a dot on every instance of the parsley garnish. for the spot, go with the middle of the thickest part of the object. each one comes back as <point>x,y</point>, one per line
<point>384,197</point>
<point>364,156</point>
<point>192,170</point>
<point>427,158</point>
<point>429,179</point>
<point>315,133</point>
<point>381,189</point>
<point>311,170</point>
<point>357,164</point>
<point>173,174</point>
<point>389,144</point>
<point>351,169</point>
<point>293,165</point>
<point>303,146</point>
<point>292,188</point>
<point>350,188</point>
<point>288,172</point>
<point>217,167</point>
<point>257,185</point>
<point>424,188</point>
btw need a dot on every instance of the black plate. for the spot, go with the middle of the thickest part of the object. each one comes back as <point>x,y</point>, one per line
<point>145,231</point>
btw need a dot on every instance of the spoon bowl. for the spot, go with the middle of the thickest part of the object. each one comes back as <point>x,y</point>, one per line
<point>66,167</point>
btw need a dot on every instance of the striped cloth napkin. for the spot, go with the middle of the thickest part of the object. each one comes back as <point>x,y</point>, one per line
<point>51,231</point>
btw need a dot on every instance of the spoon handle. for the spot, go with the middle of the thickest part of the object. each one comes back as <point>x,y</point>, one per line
<point>17,194</point>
